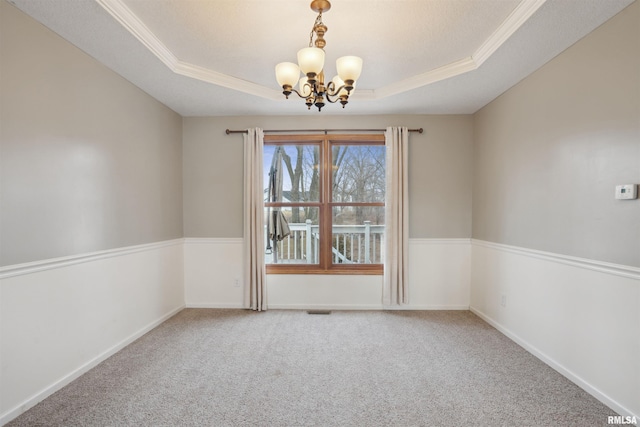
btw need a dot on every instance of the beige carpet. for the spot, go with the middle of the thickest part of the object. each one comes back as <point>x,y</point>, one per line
<point>206,367</point>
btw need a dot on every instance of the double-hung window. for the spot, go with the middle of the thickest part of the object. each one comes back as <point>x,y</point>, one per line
<point>324,203</point>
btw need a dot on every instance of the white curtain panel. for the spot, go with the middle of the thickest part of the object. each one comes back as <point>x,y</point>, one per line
<point>255,295</point>
<point>396,284</point>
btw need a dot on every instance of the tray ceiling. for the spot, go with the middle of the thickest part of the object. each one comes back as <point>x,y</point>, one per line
<point>204,58</point>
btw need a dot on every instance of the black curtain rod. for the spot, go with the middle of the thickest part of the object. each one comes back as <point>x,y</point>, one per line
<point>228,131</point>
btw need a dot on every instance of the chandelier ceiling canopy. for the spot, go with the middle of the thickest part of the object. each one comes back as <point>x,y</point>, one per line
<point>312,85</point>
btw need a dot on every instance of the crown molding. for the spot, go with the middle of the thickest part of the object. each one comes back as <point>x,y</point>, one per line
<point>445,72</point>
<point>515,20</point>
<point>122,14</point>
<point>225,80</point>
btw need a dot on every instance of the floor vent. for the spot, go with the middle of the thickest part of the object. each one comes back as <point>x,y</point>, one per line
<point>319,311</point>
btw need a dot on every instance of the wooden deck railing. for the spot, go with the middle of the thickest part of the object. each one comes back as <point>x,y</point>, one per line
<point>350,244</point>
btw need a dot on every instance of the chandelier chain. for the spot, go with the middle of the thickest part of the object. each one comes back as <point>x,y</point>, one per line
<point>313,29</point>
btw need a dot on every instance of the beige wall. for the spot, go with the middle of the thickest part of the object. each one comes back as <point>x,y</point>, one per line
<point>88,161</point>
<point>439,170</point>
<point>547,156</point>
<point>549,152</point>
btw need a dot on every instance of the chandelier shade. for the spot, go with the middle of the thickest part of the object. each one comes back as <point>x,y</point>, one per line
<point>287,74</point>
<point>349,67</point>
<point>311,60</point>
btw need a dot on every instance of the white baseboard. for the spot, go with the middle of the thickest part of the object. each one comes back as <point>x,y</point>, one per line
<point>375,307</point>
<point>43,394</point>
<point>372,307</point>
<point>336,307</point>
<point>580,382</point>
<point>428,307</point>
<point>215,305</point>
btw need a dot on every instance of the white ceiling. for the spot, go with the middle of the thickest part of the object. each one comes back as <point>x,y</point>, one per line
<point>217,57</point>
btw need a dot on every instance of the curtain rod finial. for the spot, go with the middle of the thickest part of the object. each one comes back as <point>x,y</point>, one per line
<point>227,131</point>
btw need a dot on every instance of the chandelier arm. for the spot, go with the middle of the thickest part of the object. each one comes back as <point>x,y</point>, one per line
<point>298,93</point>
<point>328,96</point>
<point>331,89</point>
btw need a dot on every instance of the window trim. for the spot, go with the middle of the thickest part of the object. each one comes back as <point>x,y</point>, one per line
<point>325,204</point>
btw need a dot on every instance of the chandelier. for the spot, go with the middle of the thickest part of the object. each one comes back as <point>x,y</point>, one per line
<point>311,86</point>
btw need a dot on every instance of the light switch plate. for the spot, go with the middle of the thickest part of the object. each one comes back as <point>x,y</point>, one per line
<point>626,192</point>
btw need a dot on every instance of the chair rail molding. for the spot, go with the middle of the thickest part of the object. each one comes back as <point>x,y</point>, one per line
<point>601,266</point>
<point>53,263</point>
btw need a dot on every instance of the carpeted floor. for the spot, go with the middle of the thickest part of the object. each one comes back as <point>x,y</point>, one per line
<point>207,367</point>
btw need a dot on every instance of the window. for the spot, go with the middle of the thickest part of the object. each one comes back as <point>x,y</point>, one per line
<point>324,203</point>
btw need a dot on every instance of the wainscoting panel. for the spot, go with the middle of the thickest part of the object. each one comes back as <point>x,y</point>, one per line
<point>579,316</point>
<point>439,272</point>
<point>438,279</point>
<point>59,318</point>
<point>352,292</point>
<point>213,273</point>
